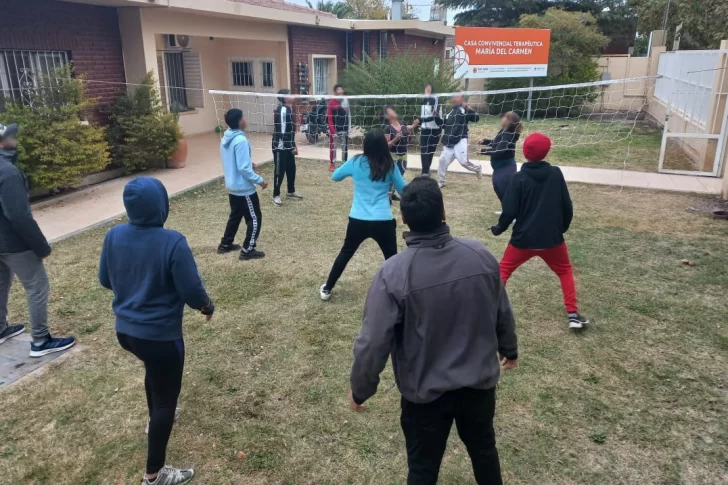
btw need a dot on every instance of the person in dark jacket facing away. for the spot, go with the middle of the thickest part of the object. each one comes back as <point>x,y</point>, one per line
<point>23,247</point>
<point>440,309</point>
<point>284,148</point>
<point>538,200</point>
<point>455,139</point>
<point>502,151</point>
<point>153,275</point>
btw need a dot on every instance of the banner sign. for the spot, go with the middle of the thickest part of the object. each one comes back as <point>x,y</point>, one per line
<point>484,52</point>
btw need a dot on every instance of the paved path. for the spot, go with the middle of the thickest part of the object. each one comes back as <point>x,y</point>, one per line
<point>16,363</point>
<point>67,215</point>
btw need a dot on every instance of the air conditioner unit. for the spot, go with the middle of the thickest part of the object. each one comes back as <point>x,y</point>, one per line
<point>177,41</point>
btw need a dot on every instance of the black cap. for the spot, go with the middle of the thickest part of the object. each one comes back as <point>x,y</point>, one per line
<point>9,130</point>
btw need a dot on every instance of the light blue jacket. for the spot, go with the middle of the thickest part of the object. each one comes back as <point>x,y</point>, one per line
<point>371,199</point>
<point>237,164</point>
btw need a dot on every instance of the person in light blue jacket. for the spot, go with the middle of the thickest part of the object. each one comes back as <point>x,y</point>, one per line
<point>373,174</point>
<point>240,181</point>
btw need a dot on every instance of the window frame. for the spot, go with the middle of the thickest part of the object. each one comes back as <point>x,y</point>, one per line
<point>242,60</point>
<point>19,90</point>
<point>366,48</point>
<point>257,73</point>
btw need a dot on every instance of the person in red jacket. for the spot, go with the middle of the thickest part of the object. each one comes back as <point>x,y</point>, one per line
<point>337,116</point>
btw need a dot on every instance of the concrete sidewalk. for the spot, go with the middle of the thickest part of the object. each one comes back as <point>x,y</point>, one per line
<point>64,216</point>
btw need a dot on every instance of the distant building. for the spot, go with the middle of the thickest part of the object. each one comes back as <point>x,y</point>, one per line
<point>438,14</point>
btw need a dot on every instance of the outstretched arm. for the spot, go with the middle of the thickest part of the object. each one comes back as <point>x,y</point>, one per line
<point>345,170</point>
<point>245,162</point>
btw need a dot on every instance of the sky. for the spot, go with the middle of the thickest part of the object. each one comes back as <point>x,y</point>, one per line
<point>423,9</point>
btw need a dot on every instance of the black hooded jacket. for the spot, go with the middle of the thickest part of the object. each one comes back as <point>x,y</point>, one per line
<point>538,199</point>
<point>18,230</point>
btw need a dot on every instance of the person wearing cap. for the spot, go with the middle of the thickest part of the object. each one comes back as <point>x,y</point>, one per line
<point>284,148</point>
<point>23,247</point>
<point>538,200</point>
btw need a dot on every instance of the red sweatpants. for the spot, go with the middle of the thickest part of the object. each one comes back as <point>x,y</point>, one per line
<point>558,260</point>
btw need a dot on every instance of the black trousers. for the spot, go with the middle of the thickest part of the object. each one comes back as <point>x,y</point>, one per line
<point>502,178</point>
<point>243,207</point>
<point>358,231</point>
<point>164,364</point>
<point>285,166</point>
<point>427,426</point>
<point>429,139</point>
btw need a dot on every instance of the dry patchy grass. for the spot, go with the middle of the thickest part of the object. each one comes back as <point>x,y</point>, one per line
<point>638,398</point>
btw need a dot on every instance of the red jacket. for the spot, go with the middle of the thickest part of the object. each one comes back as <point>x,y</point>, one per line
<point>336,116</point>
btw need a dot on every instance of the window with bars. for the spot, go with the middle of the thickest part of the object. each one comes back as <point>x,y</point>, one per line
<point>383,44</point>
<point>365,37</point>
<point>243,74</point>
<point>349,46</point>
<point>268,78</point>
<point>22,71</point>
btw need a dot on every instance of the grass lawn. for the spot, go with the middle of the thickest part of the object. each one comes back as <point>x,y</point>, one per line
<point>594,144</point>
<point>639,398</point>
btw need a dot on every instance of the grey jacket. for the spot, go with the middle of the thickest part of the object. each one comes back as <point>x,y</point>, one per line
<point>18,230</point>
<point>440,309</point>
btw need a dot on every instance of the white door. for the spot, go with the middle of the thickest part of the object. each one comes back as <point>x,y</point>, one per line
<point>320,76</point>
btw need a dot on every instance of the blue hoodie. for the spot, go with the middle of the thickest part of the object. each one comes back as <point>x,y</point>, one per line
<point>150,269</point>
<point>237,164</point>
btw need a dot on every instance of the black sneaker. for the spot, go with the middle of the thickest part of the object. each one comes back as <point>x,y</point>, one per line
<point>11,331</point>
<point>51,345</point>
<point>252,254</point>
<point>228,248</point>
<point>577,322</point>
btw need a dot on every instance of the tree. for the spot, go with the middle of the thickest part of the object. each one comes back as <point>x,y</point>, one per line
<point>340,9</point>
<point>368,9</point>
<point>705,22</point>
<point>409,11</point>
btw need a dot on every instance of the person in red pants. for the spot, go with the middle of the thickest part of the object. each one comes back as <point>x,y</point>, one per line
<point>538,200</point>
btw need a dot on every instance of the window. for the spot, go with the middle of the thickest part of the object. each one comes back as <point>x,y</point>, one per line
<point>383,44</point>
<point>243,74</point>
<point>22,71</point>
<point>322,67</point>
<point>365,36</point>
<point>183,73</point>
<point>349,46</point>
<point>267,68</point>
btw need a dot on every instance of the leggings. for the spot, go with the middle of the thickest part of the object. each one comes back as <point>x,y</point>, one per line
<point>164,362</point>
<point>358,231</point>
<point>429,139</point>
<point>502,175</point>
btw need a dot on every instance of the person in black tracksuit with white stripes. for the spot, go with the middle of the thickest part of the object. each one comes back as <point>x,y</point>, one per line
<point>284,148</point>
<point>429,128</point>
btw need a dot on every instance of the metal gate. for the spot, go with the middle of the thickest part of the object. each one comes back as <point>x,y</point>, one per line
<point>693,89</point>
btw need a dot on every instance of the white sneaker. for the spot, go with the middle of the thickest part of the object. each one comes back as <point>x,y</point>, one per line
<point>171,476</point>
<point>294,195</point>
<point>177,412</point>
<point>325,294</point>
<point>277,201</point>
<point>479,173</point>
<point>498,213</point>
<point>441,185</point>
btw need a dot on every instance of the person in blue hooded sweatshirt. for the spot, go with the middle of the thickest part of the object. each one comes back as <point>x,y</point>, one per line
<point>240,181</point>
<point>153,275</point>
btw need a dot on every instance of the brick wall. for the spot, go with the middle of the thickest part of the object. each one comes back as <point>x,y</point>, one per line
<point>421,45</point>
<point>304,41</point>
<point>89,33</point>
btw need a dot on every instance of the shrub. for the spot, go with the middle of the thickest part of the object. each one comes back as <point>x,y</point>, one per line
<point>141,134</point>
<point>404,73</point>
<point>575,43</point>
<point>56,147</point>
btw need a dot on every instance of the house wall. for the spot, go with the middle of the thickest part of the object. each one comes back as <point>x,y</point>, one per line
<point>308,41</point>
<point>89,33</point>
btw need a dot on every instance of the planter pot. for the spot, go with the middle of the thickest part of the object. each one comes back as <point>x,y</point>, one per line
<point>179,157</point>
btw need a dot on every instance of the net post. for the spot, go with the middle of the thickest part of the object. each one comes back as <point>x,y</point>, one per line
<point>530,98</point>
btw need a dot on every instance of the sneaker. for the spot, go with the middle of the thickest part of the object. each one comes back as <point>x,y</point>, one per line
<point>294,195</point>
<point>228,248</point>
<point>11,331</point>
<point>51,346</point>
<point>479,173</point>
<point>277,201</point>
<point>171,476</point>
<point>577,322</point>
<point>441,185</point>
<point>252,254</point>
<point>325,293</point>
<point>177,412</point>
<point>332,167</point>
<point>498,213</point>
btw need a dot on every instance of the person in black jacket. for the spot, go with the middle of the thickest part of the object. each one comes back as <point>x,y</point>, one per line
<point>430,128</point>
<point>284,148</point>
<point>23,247</point>
<point>502,151</point>
<point>538,200</point>
<point>455,139</point>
